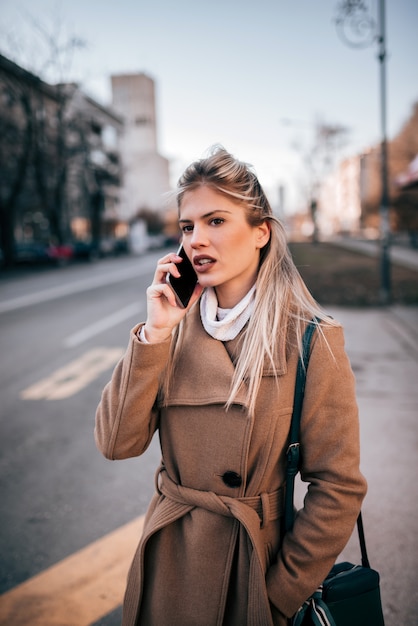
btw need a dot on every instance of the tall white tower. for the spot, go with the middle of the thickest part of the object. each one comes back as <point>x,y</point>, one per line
<point>146,172</point>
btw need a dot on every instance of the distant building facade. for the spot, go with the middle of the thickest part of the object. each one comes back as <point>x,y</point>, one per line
<point>27,107</point>
<point>94,185</point>
<point>145,172</point>
<point>59,163</point>
<point>349,199</point>
<point>339,200</point>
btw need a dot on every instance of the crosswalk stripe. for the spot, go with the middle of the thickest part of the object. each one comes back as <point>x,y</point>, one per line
<point>78,590</point>
<point>74,376</point>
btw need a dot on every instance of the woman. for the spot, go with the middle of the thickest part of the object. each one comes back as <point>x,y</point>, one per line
<point>217,381</point>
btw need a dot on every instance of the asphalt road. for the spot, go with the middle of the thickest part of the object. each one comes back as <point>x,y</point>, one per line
<point>61,332</point>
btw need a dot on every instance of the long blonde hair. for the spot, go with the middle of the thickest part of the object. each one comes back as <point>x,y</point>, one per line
<point>283,303</point>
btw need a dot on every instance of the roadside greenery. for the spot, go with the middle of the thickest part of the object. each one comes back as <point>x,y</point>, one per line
<point>336,276</point>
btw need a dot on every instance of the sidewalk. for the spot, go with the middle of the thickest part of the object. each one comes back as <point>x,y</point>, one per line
<point>400,255</point>
<point>383,348</point>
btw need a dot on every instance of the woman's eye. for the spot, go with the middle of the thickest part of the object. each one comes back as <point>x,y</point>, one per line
<point>187,229</point>
<point>217,220</point>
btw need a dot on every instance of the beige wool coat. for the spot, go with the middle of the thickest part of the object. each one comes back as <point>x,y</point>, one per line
<point>212,551</point>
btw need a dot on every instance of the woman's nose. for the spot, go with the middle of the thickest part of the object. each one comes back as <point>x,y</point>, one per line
<point>198,238</point>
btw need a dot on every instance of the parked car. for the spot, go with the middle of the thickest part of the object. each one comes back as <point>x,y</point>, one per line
<point>112,246</point>
<point>35,252</point>
<point>85,250</point>
<point>61,253</point>
<point>31,252</point>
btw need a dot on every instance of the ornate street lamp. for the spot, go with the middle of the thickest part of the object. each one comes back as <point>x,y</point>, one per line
<point>358,29</point>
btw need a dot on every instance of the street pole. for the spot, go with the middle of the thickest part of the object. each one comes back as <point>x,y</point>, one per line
<point>385,284</point>
<point>357,28</point>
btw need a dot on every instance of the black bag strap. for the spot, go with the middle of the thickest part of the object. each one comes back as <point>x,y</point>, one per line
<point>362,539</point>
<point>293,451</point>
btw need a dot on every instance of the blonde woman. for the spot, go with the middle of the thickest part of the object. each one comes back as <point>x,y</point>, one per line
<point>217,381</point>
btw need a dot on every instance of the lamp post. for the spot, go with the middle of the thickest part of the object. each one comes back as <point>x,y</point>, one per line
<point>357,28</point>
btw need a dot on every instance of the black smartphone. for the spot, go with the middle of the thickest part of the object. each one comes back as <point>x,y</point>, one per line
<point>183,286</point>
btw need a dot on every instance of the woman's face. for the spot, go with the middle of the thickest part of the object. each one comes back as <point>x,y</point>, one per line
<point>223,247</point>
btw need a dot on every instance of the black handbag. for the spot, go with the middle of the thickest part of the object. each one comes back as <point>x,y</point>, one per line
<point>350,594</point>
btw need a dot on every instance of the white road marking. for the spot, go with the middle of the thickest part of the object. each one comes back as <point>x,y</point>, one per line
<point>71,378</point>
<point>92,282</point>
<point>104,324</point>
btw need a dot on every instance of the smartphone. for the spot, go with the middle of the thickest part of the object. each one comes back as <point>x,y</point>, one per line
<point>183,286</point>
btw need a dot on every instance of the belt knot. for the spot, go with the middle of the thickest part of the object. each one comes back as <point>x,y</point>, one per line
<point>268,506</point>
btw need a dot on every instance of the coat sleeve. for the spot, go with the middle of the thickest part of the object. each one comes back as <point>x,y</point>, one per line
<point>330,452</point>
<point>127,415</point>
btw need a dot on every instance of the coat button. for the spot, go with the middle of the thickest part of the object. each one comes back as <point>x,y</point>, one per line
<point>232,479</point>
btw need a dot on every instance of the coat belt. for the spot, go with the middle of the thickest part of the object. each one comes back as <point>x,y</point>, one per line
<point>268,506</point>
<point>252,512</point>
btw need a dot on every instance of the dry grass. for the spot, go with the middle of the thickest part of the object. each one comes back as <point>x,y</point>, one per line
<point>337,276</point>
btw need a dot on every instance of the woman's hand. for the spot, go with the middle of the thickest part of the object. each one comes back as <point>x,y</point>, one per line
<point>163,311</point>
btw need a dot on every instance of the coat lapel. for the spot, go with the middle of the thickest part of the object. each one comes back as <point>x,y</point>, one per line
<point>204,369</point>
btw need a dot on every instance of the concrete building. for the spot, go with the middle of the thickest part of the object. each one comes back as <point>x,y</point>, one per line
<point>59,164</point>
<point>94,179</point>
<point>349,199</point>
<point>339,199</point>
<point>146,172</point>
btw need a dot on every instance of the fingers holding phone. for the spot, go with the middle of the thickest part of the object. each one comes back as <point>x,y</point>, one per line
<point>184,284</point>
<point>174,288</point>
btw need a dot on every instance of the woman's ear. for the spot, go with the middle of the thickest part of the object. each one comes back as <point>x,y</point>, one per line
<point>263,234</point>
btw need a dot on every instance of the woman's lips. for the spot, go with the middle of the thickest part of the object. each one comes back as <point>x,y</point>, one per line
<point>202,263</point>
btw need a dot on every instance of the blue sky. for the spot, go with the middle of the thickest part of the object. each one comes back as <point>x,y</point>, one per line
<point>230,71</point>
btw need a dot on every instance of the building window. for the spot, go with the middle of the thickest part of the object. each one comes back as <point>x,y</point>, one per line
<point>142,121</point>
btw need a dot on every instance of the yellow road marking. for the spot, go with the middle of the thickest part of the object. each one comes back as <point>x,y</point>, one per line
<point>69,379</point>
<point>79,590</point>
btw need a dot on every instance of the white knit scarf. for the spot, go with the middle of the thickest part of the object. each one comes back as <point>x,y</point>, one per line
<point>225,324</point>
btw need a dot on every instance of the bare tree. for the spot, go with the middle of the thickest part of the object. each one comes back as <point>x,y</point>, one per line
<point>52,149</point>
<point>318,158</point>
<point>17,89</point>
<point>34,126</point>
